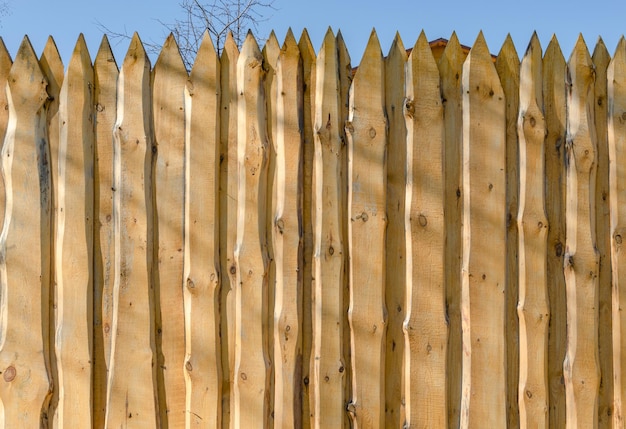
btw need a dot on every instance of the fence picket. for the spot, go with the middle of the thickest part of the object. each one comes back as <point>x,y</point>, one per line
<point>395,246</point>
<point>532,226</point>
<point>201,264</point>
<point>327,359</point>
<point>554,68</point>
<point>426,330</point>
<point>451,72</point>
<point>251,370</point>
<point>26,383</point>
<point>5,69</point>
<point>228,217</point>
<point>617,197</point>
<point>131,393</point>
<point>580,367</point>
<point>484,261</point>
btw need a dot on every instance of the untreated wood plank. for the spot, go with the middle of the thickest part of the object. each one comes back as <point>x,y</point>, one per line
<point>601,61</point>
<point>307,55</point>
<point>367,141</point>
<point>287,237</point>
<point>105,101</point>
<point>451,72</point>
<point>532,225</point>
<point>327,359</point>
<point>169,79</point>
<point>131,395</point>
<point>555,111</point>
<point>203,373</point>
<point>616,75</point>
<point>395,245</point>
<point>251,369</point>
<point>228,217</point>
<point>484,215</point>
<point>73,260</point>
<point>581,370</point>
<point>26,386</point>
<point>5,68</point>
<point>426,328</point>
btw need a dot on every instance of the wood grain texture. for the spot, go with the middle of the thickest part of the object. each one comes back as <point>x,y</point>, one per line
<point>169,79</point>
<point>581,259</point>
<point>327,359</point>
<point>25,387</point>
<point>228,217</point>
<point>367,143</point>
<point>532,225</point>
<point>202,366</point>
<point>73,259</point>
<point>484,215</point>
<point>425,325</point>
<point>105,100</point>
<point>601,59</point>
<point>5,68</point>
<point>616,73</point>
<point>307,55</point>
<point>131,393</point>
<point>251,369</point>
<point>451,72</point>
<point>555,116</point>
<point>395,244</point>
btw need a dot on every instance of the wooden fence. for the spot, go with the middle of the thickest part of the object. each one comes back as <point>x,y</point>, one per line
<point>275,240</point>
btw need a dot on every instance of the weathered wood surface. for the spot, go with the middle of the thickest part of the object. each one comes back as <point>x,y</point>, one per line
<point>554,69</point>
<point>395,245</point>
<point>616,75</point>
<point>327,359</point>
<point>169,79</point>
<point>105,99</point>
<point>74,198</point>
<point>5,69</point>
<point>532,225</point>
<point>26,386</point>
<point>581,259</point>
<point>601,59</point>
<point>202,366</point>
<point>425,326</point>
<point>451,72</point>
<point>251,369</point>
<point>307,55</point>
<point>228,217</point>
<point>131,395</point>
<point>484,215</point>
<point>367,141</point>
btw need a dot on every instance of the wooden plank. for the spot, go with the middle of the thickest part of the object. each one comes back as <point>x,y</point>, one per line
<point>395,246</point>
<point>426,328</point>
<point>508,67</point>
<point>228,217</point>
<point>580,367</point>
<point>26,386</point>
<point>307,55</point>
<point>74,242</point>
<point>251,369</point>
<point>484,215</point>
<point>203,373</point>
<point>131,389</point>
<point>105,100</point>
<point>169,78</point>
<point>451,72</point>
<point>367,141</point>
<point>532,225</point>
<point>327,360</point>
<point>554,106</point>
<point>287,237</point>
<point>617,197</point>
<point>601,59</point>
<point>5,69</point>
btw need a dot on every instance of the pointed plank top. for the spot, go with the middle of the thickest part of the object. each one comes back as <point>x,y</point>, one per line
<point>421,45</point>
<point>52,66</point>
<point>531,76</point>
<point>5,57</point>
<point>271,50</point>
<point>372,57</point>
<point>105,54</point>
<point>250,48</point>
<point>553,51</point>
<point>600,48</point>
<point>452,57</point>
<point>479,58</point>
<point>136,53</point>
<point>620,51</point>
<point>169,58</point>
<point>290,40</point>
<point>24,72</point>
<point>508,53</point>
<point>81,60</point>
<point>580,54</point>
<point>205,58</point>
<point>397,48</point>
<point>305,43</point>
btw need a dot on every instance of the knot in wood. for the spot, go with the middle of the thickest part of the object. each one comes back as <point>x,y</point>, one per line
<point>9,374</point>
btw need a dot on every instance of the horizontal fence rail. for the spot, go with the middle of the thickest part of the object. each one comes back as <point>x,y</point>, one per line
<point>277,239</point>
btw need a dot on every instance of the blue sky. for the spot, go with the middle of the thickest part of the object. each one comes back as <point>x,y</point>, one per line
<point>66,19</point>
